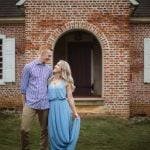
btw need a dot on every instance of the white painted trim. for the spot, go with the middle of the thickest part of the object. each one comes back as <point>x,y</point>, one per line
<point>12,19</point>
<point>134,2</point>
<point>9,60</point>
<point>2,36</point>
<point>140,19</point>
<point>88,98</point>
<point>2,82</point>
<point>146,60</point>
<point>20,2</point>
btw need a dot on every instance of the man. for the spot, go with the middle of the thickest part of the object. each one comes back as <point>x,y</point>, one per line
<point>35,99</point>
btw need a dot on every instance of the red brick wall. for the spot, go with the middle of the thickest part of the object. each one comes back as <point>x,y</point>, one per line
<point>108,20</point>
<point>9,93</point>
<point>140,92</point>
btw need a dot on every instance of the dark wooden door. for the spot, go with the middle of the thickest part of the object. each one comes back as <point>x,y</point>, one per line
<point>79,58</point>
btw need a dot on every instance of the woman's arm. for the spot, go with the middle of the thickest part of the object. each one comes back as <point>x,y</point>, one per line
<point>71,100</point>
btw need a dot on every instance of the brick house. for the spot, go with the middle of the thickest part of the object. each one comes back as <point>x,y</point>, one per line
<point>106,42</point>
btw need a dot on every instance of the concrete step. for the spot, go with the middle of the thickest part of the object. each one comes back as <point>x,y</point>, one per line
<point>90,106</point>
<point>86,101</point>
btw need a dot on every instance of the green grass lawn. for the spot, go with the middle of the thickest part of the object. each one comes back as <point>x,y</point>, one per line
<point>98,133</point>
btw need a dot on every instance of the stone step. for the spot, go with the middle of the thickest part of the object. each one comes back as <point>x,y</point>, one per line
<point>93,101</point>
<point>90,106</point>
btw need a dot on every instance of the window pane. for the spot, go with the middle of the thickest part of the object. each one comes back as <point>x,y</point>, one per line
<point>0,53</point>
<point>1,65</point>
<point>1,59</point>
<point>1,71</point>
<point>1,41</point>
<point>1,76</point>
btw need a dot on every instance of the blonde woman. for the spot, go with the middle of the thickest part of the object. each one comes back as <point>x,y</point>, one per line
<point>63,134</point>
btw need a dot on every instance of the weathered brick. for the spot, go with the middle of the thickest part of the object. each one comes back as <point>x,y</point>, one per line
<point>46,21</point>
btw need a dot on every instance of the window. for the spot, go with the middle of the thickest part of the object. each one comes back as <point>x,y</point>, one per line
<point>7,59</point>
<point>147,60</point>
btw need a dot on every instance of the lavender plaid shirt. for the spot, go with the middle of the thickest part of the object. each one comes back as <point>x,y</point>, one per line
<point>34,84</point>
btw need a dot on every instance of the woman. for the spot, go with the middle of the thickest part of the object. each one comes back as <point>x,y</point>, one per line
<point>63,133</point>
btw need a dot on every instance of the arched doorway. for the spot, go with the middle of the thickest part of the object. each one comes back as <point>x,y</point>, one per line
<point>83,52</point>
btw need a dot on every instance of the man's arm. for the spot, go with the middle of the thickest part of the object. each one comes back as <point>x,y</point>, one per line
<point>23,99</point>
<point>24,82</point>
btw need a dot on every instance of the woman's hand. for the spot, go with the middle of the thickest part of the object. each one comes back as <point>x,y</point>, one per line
<point>76,115</point>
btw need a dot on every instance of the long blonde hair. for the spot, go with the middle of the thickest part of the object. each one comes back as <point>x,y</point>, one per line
<point>66,74</point>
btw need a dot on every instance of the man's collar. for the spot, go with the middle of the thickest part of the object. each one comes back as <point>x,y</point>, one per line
<point>38,62</point>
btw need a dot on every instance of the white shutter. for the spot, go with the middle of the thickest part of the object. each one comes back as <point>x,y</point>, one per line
<point>9,60</point>
<point>147,60</point>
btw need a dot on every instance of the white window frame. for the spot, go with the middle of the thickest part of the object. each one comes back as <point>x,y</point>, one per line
<point>146,60</point>
<point>8,55</point>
